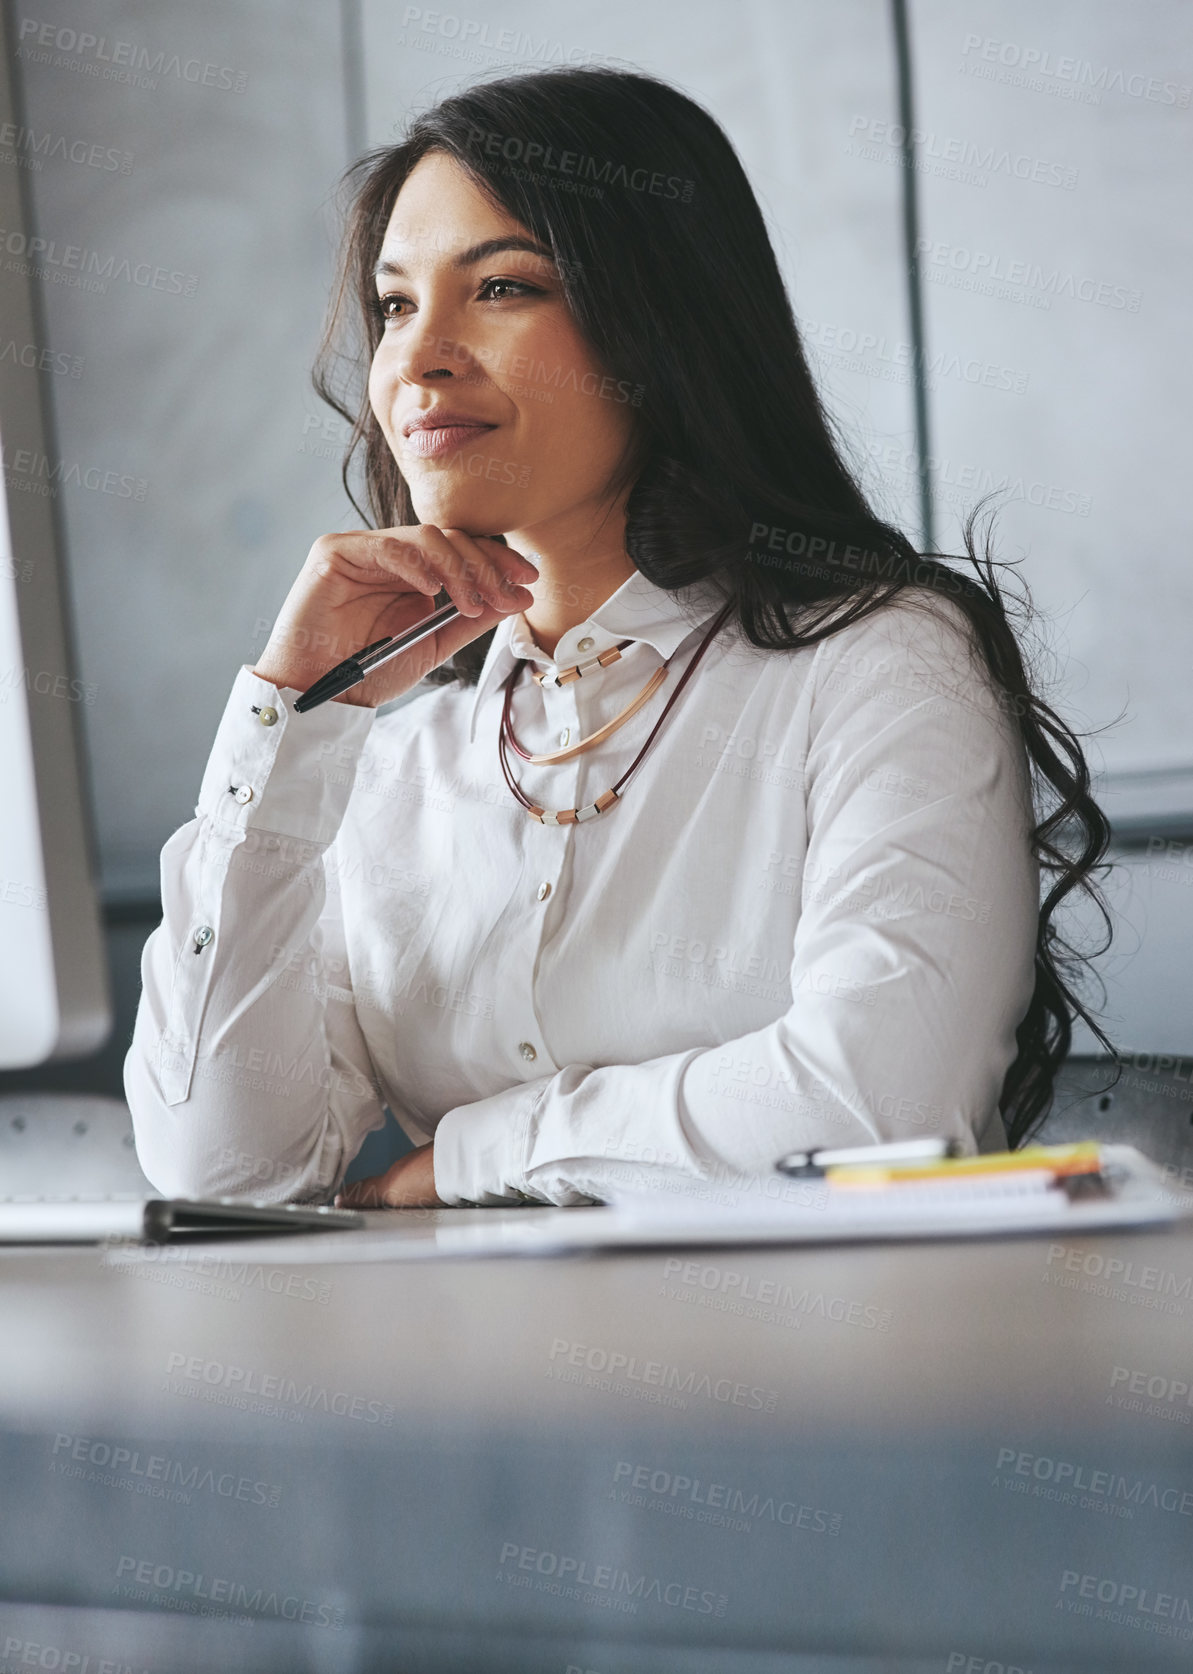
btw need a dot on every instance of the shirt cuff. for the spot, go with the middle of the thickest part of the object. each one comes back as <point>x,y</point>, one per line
<point>280,771</point>
<point>481,1149</point>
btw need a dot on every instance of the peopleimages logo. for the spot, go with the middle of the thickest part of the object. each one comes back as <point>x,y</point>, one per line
<point>1154,1385</point>
<point>120,60</point>
<point>658,1374</point>
<point>1068,1474</point>
<point>464,34</point>
<point>235,1384</point>
<point>686,1494</point>
<point>32,148</point>
<point>1155,1288</point>
<point>727,1281</point>
<point>1021,273</point>
<point>622,1583</point>
<point>978,158</point>
<point>1036,66</point>
<point>154,1474</point>
<point>1123,1601</point>
<point>75,264</point>
<point>161,1580</point>
<point>513,148</point>
<point>236,1275</point>
<point>32,472</point>
<point>32,1653</point>
<point>46,683</point>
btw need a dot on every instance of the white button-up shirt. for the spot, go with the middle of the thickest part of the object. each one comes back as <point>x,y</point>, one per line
<point>810,919</point>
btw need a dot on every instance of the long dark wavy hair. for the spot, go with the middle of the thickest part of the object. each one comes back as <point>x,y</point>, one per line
<point>668,271</point>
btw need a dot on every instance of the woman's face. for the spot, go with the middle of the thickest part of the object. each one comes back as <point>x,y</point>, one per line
<point>475,327</point>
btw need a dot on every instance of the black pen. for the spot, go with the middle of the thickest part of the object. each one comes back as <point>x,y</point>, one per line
<point>353,669</point>
<point>810,1165</point>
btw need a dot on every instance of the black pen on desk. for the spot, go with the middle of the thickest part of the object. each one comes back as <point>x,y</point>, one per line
<point>812,1164</point>
<point>361,663</point>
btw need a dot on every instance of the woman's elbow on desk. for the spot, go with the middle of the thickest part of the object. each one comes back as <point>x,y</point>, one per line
<point>195,1148</point>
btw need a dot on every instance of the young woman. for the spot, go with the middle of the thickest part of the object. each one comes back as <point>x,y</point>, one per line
<point>719,826</point>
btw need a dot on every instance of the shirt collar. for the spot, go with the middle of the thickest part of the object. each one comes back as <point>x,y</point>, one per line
<point>638,610</point>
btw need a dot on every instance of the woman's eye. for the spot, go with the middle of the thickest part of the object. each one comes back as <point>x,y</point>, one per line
<point>514,285</point>
<point>395,306</point>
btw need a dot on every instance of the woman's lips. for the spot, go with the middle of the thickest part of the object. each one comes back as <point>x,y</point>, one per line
<point>433,444</point>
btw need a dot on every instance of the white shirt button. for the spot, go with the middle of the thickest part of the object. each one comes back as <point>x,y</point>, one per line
<point>527,1051</point>
<point>565,735</point>
<point>267,717</point>
<point>544,890</point>
<point>244,793</point>
<point>203,935</point>
<point>585,644</point>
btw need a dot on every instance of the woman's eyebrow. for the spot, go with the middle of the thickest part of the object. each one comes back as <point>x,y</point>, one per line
<point>474,253</point>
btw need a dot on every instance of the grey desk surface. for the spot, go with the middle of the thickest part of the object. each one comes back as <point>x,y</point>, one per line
<point>845,1458</point>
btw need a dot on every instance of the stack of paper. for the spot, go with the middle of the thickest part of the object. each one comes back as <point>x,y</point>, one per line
<point>1037,1190</point>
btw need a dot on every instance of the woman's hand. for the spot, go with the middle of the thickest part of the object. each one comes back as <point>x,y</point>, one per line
<point>409,1184</point>
<point>369,584</point>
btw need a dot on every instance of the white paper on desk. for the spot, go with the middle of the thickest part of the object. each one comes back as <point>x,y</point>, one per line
<point>787,1211</point>
<point>973,1206</point>
<point>777,1210</point>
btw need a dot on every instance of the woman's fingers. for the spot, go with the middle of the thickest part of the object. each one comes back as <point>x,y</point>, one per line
<point>456,562</point>
<point>361,585</point>
<point>398,557</point>
<point>473,576</point>
<point>475,571</point>
<point>407,1183</point>
<point>505,570</point>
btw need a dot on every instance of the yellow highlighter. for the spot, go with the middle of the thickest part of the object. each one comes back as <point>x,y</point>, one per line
<point>1059,1161</point>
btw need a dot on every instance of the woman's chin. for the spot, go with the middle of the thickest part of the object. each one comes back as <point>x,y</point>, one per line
<point>478,514</point>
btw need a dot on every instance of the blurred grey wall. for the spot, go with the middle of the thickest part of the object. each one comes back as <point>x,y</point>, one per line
<point>183,162</point>
<point>190,307</point>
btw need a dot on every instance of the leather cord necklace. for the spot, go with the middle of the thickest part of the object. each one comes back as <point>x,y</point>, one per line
<point>565,676</point>
<point>594,738</point>
<point>576,816</point>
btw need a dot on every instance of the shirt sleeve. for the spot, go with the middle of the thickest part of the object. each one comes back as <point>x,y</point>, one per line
<point>248,1073</point>
<point>912,963</point>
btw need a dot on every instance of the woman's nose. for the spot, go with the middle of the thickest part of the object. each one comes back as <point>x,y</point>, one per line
<point>432,347</point>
